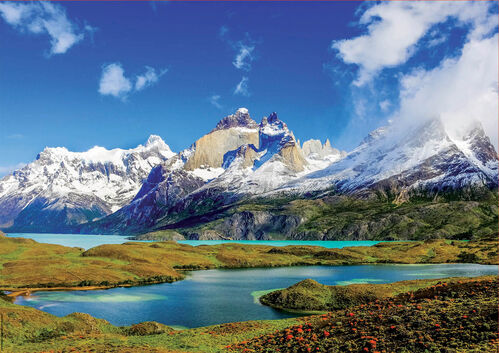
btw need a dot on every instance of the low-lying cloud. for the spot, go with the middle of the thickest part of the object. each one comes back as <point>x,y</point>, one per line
<point>460,89</point>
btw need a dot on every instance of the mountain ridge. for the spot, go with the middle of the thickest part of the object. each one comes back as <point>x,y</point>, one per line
<point>222,184</point>
<point>76,187</point>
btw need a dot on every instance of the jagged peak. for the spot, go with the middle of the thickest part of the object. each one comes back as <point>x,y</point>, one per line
<point>273,126</point>
<point>240,119</point>
<point>154,140</point>
<point>375,135</point>
<point>242,110</point>
<point>273,118</point>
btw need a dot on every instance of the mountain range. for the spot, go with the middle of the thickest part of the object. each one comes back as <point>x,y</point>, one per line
<point>249,180</point>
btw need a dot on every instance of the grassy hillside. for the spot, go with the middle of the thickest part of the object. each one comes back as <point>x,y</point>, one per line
<point>449,317</point>
<point>25,263</point>
<point>343,218</point>
<point>309,295</point>
<point>452,316</point>
<point>338,217</point>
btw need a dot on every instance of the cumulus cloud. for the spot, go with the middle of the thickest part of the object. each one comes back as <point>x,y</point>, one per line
<point>44,18</point>
<point>459,91</point>
<point>215,101</point>
<point>394,28</point>
<point>244,56</point>
<point>148,78</point>
<point>460,88</point>
<point>114,83</point>
<point>242,87</point>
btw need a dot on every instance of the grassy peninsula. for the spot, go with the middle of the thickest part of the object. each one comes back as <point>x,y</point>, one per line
<point>28,265</point>
<point>447,315</point>
<point>383,314</point>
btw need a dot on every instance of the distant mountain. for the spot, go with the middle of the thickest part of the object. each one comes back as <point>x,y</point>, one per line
<point>249,180</point>
<point>237,159</point>
<point>424,159</point>
<point>61,188</point>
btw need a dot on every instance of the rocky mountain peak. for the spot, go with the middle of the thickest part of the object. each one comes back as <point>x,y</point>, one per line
<point>272,125</point>
<point>155,140</point>
<point>475,144</point>
<point>273,118</point>
<point>230,133</point>
<point>240,119</point>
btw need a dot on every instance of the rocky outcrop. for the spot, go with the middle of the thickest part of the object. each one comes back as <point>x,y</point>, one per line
<point>278,143</point>
<point>245,155</point>
<point>314,149</point>
<point>257,225</point>
<point>241,119</point>
<point>230,133</point>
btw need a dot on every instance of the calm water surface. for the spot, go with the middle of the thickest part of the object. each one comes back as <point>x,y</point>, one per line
<point>89,241</point>
<point>218,296</point>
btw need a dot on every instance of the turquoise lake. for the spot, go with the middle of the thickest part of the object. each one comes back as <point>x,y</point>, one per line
<point>90,241</point>
<point>219,296</point>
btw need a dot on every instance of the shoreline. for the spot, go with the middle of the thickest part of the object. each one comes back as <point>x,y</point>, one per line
<point>27,291</point>
<point>30,266</point>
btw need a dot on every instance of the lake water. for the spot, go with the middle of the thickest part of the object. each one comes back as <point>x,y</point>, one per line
<point>89,241</point>
<point>218,296</point>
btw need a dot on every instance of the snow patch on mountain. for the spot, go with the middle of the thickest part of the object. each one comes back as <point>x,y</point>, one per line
<point>420,157</point>
<point>109,178</point>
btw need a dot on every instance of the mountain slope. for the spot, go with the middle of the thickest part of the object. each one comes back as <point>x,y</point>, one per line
<point>395,185</point>
<point>237,159</point>
<point>423,159</point>
<point>245,180</point>
<point>62,188</point>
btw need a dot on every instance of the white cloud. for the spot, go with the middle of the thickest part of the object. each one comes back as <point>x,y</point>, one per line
<point>385,105</point>
<point>460,90</point>
<point>114,83</point>
<point>4,170</point>
<point>43,18</point>
<point>215,101</point>
<point>394,28</point>
<point>148,78</point>
<point>244,49</point>
<point>242,87</point>
<point>244,56</point>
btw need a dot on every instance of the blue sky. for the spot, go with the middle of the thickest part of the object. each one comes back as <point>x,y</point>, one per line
<point>80,74</point>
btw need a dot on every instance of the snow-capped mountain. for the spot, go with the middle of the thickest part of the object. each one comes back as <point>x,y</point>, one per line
<point>66,188</point>
<point>424,158</point>
<point>237,159</point>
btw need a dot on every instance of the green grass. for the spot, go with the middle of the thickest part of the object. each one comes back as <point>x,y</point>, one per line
<point>29,330</point>
<point>339,217</point>
<point>309,295</point>
<point>28,264</point>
